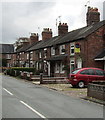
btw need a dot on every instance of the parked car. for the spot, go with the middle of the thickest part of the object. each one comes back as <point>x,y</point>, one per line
<point>81,77</point>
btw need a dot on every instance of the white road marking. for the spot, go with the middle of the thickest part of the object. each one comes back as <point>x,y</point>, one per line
<point>7,91</point>
<point>42,116</point>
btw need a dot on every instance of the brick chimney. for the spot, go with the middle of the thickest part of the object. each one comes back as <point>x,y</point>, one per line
<point>93,16</point>
<point>62,28</point>
<point>24,41</point>
<point>34,38</point>
<point>46,33</point>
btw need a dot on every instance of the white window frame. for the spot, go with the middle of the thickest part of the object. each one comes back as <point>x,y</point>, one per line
<point>31,55</point>
<point>61,68</point>
<point>8,56</point>
<point>45,54</point>
<point>72,47</point>
<point>72,62</point>
<point>8,65</point>
<point>61,48</point>
<point>40,55</point>
<point>27,56</point>
<point>52,51</point>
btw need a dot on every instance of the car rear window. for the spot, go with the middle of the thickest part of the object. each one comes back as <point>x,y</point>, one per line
<point>100,72</point>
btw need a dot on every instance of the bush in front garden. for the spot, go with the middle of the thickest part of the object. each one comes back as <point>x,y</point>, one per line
<point>15,71</point>
<point>18,73</point>
<point>12,72</point>
<point>24,69</point>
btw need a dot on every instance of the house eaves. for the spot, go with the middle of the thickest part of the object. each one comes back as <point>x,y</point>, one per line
<point>75,35</point>
<point>6,48</point>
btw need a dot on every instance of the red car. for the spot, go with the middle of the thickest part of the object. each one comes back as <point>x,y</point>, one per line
<point>83,76</point>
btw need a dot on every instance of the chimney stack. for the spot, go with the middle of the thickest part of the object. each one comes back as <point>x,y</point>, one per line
<point>34,38</point>
<point>93,16</point>
<point>62,29</point>
<point>24,41</point>
<point>46,33</point>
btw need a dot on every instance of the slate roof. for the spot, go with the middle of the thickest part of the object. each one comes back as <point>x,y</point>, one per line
<point>74,35</point>
<point>6,48</point>
<point>81,33</point>
<point>101,55</point>
<point>44,43</point>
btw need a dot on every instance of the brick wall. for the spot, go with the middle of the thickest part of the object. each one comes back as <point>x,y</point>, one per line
<point>95,44</point>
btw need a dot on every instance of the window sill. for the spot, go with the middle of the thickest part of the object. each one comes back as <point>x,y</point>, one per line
<point>62,53</point>
<point>72,55</point>
<point>57,72</point>
<point>62,72</point>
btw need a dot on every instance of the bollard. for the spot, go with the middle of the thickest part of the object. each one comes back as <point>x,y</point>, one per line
<point>41,78</point>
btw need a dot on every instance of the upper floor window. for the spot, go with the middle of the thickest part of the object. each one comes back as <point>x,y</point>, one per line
<point>45,52</point>
<point>72,46</point>
<point>62,49</point>
<point>52,51</point>
<point>8,56</point>
<point>40,55</point>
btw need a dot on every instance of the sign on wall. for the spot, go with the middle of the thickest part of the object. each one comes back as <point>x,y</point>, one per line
<point>77,48</point>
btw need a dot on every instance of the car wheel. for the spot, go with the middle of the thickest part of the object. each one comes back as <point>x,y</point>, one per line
<point>81,84</point>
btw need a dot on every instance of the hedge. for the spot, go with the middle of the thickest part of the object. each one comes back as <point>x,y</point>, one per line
<point>15,71</point>
<point>24,69</point>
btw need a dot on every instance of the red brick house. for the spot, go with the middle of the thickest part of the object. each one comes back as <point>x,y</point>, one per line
<point>23,58</point>
<point>76,49</point>
<point>83,47</point>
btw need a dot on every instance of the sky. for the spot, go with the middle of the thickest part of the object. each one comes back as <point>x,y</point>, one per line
<point>19,18</point>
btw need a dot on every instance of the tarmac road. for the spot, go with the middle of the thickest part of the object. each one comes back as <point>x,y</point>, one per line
<point>21,99</point>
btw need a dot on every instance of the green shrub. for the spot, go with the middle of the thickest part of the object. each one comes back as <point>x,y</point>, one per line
<point>11,71</point>
<point>8,71</point>
<point>18,73</point>
<point>24,69</point>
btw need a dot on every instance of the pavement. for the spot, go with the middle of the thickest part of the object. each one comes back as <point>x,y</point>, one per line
<point>21,99</point>
<point>67,89</point>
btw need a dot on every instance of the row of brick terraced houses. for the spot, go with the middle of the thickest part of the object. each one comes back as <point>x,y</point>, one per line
<point>84,47</point>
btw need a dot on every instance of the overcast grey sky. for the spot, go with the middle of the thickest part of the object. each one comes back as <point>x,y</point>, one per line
<point>21,17</point>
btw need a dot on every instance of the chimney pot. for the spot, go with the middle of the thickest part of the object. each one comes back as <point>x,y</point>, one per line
<point>33,38</point>
<point>46,33</point>
<point>93,16</point>
<point>62,29</point>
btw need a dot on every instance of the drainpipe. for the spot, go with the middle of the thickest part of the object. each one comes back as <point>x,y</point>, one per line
<point>48,68</point>
<point>29,59</point>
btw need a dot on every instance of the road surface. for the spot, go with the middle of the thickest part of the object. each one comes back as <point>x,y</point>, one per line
<point>21,99</point>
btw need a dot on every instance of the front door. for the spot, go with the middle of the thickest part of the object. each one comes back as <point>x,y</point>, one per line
<point>52,69</point>
<point>79,63</point>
